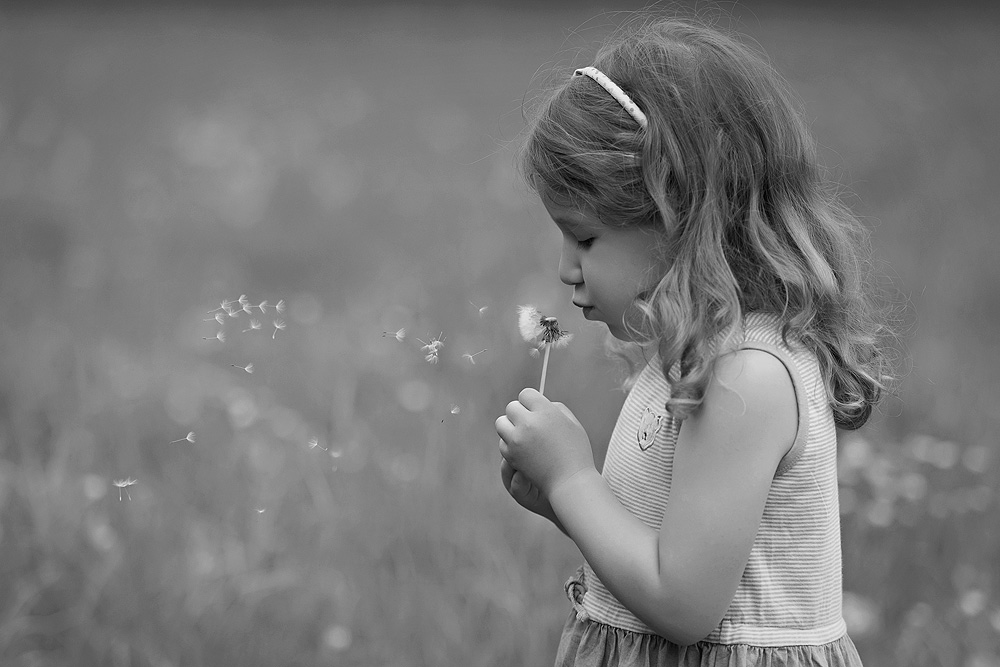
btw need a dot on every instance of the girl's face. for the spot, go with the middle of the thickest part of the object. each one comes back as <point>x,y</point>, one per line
<point>608,267</point>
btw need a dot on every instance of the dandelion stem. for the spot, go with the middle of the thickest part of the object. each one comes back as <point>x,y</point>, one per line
<point>545,369</point>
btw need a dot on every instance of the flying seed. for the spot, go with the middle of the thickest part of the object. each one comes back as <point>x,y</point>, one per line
<point>472,357</point>
<point>254,326</point>
<point>189,437</point>
<point>248,368</point>
<point>398,335</point>
<point>278,324</point>
<point>123,484</point>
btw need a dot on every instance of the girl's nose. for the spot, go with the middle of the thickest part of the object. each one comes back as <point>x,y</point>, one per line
<point>569,263</point>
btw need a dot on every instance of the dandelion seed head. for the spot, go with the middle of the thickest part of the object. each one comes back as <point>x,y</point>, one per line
<point>529,323</point>
<point>254,325</point>
<point>246,308</point>
<point>263,306</point>
<point>280,306</point>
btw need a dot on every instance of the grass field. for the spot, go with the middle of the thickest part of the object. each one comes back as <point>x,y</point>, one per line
<point>341,504</point>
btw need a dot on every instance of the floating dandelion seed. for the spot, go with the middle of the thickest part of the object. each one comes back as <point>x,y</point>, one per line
<point>280,306</point>
<point>247,308</point>
<point>472,357</point>
<point>433,348</point>
<point>454,410</point>
<point>123,484</point>
<point>314,443</point>
<point>254,326</point>
<point>243,300</point>
<point>398,335</point>
<point>221,337</point>
<point>482,309</point>
<point>278,324</point>
<point>189,437</point>
<point>219,317</point>
<point>225,305</point>
<point>261,510</point>
<point>543,332</point>
<point>263,306</point>
<point>248,368</point>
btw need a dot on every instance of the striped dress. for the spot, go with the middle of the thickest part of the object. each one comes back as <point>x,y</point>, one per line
<point>787,607</point>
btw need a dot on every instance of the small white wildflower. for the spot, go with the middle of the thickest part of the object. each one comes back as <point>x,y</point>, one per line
<point>278,324</point>
<point>472,357</point>
<point>398,335</point>
<point>254,325</point>
<point>123,484</point>
<point>221,337</point>
<point>248,368</point>
<point>280,306</point>
<point>189,438</point>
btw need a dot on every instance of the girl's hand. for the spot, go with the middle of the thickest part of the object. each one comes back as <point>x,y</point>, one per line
<point>543,440</point>
<point>525,492</point>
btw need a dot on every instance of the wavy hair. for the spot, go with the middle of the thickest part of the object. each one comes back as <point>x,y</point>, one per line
<point>727,170</point>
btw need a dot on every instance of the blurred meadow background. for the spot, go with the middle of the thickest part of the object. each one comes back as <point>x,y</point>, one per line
<point>341,503</point>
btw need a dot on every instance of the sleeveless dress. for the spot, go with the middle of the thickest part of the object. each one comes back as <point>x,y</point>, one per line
<point>787,609</point>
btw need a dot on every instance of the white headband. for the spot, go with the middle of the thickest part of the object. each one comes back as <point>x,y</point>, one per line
<point>616,92</point>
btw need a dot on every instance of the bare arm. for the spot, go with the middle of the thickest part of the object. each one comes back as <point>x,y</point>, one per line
<point>680,579</point>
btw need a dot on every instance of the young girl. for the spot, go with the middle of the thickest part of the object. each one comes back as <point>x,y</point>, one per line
<point>697,227</point>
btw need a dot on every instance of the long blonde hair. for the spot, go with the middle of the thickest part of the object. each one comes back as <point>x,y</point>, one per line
<point>727,169</point>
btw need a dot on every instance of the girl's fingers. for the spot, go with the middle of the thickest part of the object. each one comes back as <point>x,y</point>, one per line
<point>516,411</point>
<point>505,429</point>
<point>519,485</point>
<point>506,473</point>
<point>504,450</point>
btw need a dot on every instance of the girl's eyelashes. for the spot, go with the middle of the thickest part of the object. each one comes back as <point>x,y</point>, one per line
<point>586,243</point>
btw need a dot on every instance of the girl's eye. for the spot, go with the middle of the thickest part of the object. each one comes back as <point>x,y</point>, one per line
<point>586,243</point>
